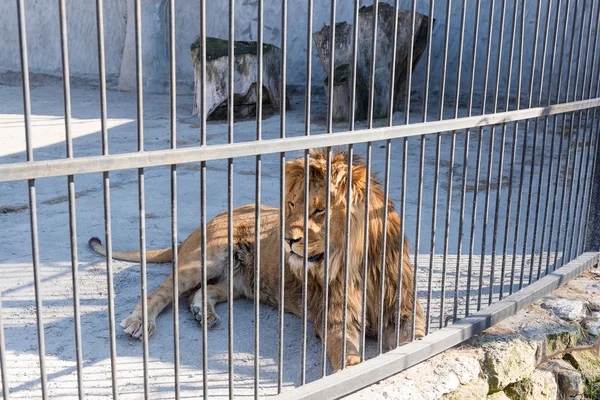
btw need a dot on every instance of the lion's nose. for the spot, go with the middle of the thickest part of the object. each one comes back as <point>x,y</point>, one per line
<point>291,240</point>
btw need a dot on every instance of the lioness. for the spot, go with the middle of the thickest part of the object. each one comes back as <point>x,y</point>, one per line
<point>243,279</point>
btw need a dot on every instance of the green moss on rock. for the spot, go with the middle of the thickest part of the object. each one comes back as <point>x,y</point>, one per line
<point>540,386</point>
<point>508,361</point>
<point>217,48</point>
<point>561,340</point>
<point>586,362</point>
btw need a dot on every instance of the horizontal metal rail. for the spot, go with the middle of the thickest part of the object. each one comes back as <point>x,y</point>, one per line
<point>142,159</point>
<point>376,369</point>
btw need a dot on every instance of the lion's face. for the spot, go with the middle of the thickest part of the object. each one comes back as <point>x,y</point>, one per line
<point>294,228</point>
<point>295,211</point>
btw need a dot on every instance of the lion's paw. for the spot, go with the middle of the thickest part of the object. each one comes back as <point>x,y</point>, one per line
<point>352,360</point>
<point>132,325</point>
<point>212,319</point>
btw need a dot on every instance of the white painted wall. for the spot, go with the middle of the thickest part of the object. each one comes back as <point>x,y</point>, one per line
<point>43,36</point>
<point>44,45</point>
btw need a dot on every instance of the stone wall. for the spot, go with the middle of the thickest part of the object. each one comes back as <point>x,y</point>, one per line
<point>504,362</point>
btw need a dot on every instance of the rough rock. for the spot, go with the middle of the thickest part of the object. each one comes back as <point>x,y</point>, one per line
<point>592,324</point>
<point>430,380</point>
<point>567,309</point>
<point>474,390</point>
<point>570,382</point>
<point>344,40</point>
<point>562,339</point>
<point>540,385</point>
<point>245,75</point>
<point>508,361</point>
<point>498,396</point>
<point>594,303</point>
<point>586,362</point>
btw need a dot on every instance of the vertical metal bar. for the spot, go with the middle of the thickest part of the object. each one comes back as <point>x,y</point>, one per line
<point>203,184</point>
<point>492,139</point>
<point>327,190</point>
<point>418,235</point>
<point>106,192</point>
<point>259,100</point>
<point>3,365</point>
<point>437,172</point>
<point>402,201</point>
<point>422,153</point>
<point>501,163</point>
<point>282,105</point>
<point>562,139</point>
<point>533,150</point>
<point>402,240</point>
<point>64,46</point>
<point>393,65</point>
<point>588,177</point>
<point>566,252</point>
<point>464,178</point>
<point>438,145</point>
<point>478,168</point>
<point>452,149</point>
<point>349,183</point>
<point>141,195</point>
<point>174,241</point>
<point>230,121</point>
<point>513,158</point>
<point>373,62</point>
<point>578,180</point>
<point>367,208</point>
<point>568,162</point>
<point>386,190</point>
<point>308,93</point>
<point>365,253</point>
<point>367,202</point>
<point>427,63</point>
<point>386,197</point>
<point>552,143</point>
<point>35,252</point>
<point>347,259</point>
<point>542,158</point>
<point>409,63</point>
<point>580,117</point>
<point>354,66</point>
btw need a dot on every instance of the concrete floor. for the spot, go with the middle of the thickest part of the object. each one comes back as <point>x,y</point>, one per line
<point>16,275</point>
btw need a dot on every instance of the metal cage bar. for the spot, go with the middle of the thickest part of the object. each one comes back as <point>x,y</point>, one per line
<point>33,221</point>
<point>106,198</point>
<point>174,240</point>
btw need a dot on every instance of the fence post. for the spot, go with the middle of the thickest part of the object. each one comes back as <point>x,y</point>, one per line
<point>592,237</point>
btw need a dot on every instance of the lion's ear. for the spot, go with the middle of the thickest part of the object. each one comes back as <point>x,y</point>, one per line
<point>340,181</point>
<point>359,182</point>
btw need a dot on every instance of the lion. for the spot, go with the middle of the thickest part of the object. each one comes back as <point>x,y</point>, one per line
<point>217,267</point>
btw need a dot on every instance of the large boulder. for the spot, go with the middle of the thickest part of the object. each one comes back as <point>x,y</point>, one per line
<point>344,40</point>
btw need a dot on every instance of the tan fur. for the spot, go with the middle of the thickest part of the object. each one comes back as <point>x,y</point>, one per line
<point>189,271</point>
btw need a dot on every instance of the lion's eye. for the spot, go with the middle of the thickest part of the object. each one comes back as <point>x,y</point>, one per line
<point>290,204</point>
<point>318,212</point>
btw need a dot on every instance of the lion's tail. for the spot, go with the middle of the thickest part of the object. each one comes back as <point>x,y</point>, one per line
<point>152,256</point>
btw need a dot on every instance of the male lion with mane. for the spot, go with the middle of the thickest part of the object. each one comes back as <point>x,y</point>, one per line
<point>243,279</point>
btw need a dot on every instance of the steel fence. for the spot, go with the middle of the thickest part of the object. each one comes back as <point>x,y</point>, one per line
<point>516,234</point>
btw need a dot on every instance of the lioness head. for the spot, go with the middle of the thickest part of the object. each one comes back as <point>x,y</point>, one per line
<point>295,211</point>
